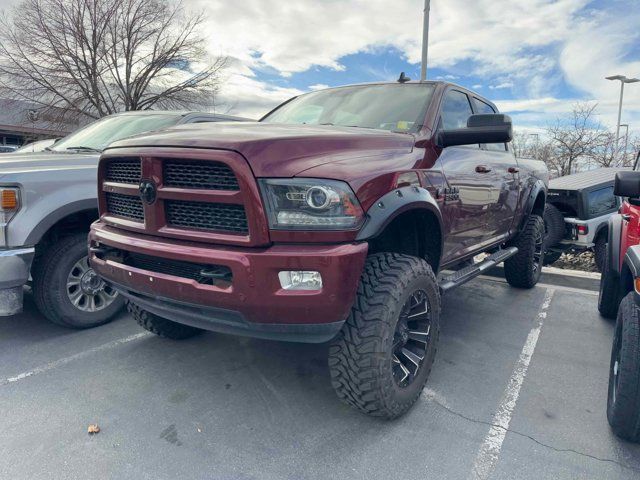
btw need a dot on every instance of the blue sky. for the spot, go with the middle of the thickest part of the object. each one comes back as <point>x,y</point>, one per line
<point>535,58</point>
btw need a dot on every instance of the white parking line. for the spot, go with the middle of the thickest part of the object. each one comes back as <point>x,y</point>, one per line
<point>489,451</point>
<point>77,356</point>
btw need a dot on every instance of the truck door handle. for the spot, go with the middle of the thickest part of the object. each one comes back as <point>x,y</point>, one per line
<point>482,169</point>
<point>513,170</point>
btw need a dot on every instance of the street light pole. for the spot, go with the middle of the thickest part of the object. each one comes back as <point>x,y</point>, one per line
<point>626,141</point>
<point>425,40</point>
<point>623,80</point>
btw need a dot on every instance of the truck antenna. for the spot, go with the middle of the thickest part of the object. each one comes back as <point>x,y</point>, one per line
<point>403,78</point>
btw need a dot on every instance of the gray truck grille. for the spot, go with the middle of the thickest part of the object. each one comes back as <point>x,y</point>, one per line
<point>124,171</point>
<point>192,174</point>
<point>218,217</point>
<point>125,206</point>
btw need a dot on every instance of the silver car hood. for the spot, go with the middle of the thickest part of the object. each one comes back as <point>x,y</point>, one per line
<point>12,164</point>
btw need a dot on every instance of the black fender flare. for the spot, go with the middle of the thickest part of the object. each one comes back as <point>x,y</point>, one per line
<point>630,271</point>
<point>393,204</point>
<point>536,188</point>
<point>613,241</point>
<point>600,228</point>
<point>54,217</point>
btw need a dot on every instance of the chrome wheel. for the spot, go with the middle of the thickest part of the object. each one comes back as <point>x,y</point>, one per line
<point>411,338</point>
<point>86,290</point>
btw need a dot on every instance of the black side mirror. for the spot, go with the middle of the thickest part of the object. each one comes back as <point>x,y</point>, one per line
<point>627,184</point>
<point>484,128</point>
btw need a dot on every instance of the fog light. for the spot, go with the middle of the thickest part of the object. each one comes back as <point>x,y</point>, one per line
<point>300,280</point>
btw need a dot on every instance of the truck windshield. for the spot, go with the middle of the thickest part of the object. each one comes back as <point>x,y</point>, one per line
<point>395,107</point>
<point>96,136</point>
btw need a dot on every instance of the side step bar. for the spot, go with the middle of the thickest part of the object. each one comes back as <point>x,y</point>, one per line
<point>465,274</point>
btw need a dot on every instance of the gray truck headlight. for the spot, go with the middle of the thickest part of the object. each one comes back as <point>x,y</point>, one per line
<point>310,204</point>
<point>9,206</point>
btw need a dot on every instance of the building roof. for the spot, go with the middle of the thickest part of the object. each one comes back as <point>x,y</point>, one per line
<point>582,180</point>
<point>15,118</point>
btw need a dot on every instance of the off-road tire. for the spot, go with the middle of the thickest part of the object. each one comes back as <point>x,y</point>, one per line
<point>551,257</point>
<point>600,250</point>
<point>553,225</point>
<point>161,326</point>
<point>623,402</point>
<point>519,270</point>
<point>609,292</point>
<point>50,272</point>
<point>360,357</point>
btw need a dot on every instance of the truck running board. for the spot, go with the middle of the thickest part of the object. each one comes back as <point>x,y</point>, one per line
<point>465,274</point>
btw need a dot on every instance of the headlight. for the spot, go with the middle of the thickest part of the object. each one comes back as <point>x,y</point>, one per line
<point>310,204</point>
<point>9,206</point>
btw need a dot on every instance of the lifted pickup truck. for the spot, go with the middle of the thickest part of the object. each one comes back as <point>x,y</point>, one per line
<point>333,218</point>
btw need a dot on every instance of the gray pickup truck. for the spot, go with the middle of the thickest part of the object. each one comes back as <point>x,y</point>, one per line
<point>47,202</point>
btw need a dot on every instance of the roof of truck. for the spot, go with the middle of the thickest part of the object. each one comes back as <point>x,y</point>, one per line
<point>582,180</point>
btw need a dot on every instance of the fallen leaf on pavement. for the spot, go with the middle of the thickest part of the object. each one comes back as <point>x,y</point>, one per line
<point>93,428</point>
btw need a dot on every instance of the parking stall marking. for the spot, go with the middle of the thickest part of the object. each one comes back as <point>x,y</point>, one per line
<point>489,451</point>
<point>63,361</point>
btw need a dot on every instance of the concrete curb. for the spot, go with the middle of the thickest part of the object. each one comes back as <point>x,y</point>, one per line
<point>560,277</point>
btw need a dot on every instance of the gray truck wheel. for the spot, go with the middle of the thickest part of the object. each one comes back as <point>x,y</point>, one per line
<point>66,289</point>
<point>608,295</point>
<point>524,268</point>
<point>161,326</point>
<point>623,399</point>
<point>553,225</point>
<point>382,357</point>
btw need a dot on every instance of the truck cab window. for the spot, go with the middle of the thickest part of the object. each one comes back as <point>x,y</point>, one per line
<point>483,107</point>
<point>456,110</point>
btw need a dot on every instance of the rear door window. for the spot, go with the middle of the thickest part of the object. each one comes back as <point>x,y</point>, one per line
<point>601,202</point>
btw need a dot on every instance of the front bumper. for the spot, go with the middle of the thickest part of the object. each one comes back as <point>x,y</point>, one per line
<point>15,266</point>
<point>254,304</point>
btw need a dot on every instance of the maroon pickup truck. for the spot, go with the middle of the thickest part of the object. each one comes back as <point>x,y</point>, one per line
<point>341,216</point>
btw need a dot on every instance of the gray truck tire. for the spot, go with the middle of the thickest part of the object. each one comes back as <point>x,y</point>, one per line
<point>54,272</point>
<point>553,225</point>
<point>523,270</point>
<point>392,329</point>
<point>161,326</point>
<point>623,399</point>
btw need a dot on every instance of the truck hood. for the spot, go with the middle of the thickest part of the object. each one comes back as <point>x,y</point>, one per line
<point>16,164</point>
<point>274,149</point>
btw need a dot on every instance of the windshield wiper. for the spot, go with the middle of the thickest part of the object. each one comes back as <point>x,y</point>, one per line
<point>84,149</point>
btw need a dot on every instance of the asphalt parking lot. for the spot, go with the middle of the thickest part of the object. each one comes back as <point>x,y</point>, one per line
<point>534,362</point>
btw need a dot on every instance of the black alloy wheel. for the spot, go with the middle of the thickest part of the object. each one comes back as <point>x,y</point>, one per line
<point>411,338</point>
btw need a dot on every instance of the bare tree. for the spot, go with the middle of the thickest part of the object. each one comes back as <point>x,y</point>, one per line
<point>97,57</point>
<point>605,153</point>
<point>575,137</point>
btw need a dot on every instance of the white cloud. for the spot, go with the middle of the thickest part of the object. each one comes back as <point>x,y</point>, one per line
<point>318,86</point>
<point>512,43</point>
<point>501,86</point>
